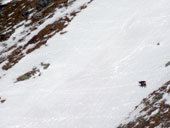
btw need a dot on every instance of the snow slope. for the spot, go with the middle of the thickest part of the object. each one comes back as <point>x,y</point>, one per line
<point>152,112</point>
<point>94,68</point>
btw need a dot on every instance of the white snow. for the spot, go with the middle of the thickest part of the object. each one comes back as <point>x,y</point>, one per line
<point>168,100</point>
<point>5,1</point>
<point>166,97</point>
<point>92,81</point>
<point>158,127</point>
<point>154,112</point>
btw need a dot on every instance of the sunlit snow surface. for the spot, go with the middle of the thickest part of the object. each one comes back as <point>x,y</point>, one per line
<point>92,81</point>
<point>5,1</point>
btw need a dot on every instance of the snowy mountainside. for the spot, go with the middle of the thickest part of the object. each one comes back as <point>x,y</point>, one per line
<point>34,26</point>
<point>77,63</point>
<point>152,112</point>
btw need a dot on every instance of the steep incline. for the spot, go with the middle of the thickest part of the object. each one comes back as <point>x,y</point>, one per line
<point>153,111</point>
<point>64,67</point>
<point>28,28</point>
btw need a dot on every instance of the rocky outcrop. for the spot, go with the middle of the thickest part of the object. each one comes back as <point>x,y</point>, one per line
<point>42,4</point>
<point>24,13</point>
<point>152,112</point>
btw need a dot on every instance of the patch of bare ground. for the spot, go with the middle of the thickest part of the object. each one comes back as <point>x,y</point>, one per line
<point>35,72</point>
<point>153,111</point>
<point>29,75</point>
<point>13,17</point>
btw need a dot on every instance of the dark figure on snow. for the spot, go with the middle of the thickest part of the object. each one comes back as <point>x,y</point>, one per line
<point>142,83</point>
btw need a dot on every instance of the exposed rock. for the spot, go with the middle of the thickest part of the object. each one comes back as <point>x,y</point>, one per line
<point>29,74</point>
<point>152,111</point>
<point>26,14</point>
<point>3,37</point>
<point>42,4</point>
<point>38,15</point>
<point>2,6</point>
<point>45,66</point>
<point>1,14</point>
<point>167,64</point>
<point>14,18</point>
<point>2,101</point>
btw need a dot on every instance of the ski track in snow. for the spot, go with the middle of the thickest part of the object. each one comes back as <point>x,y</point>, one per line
<point>92,81</point>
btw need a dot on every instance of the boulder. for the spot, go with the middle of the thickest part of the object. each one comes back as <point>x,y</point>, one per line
<point>38,15</point>
<point>42,4</point>
<point>3,6</point>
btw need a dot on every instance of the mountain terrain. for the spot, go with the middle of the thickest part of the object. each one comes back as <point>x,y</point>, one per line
<point>80,63</point>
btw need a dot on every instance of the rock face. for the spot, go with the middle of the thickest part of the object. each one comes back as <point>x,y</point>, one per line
<point>152,112</point>
<point>30,14</point>
<point>42,4</point>
<point>3,6</point>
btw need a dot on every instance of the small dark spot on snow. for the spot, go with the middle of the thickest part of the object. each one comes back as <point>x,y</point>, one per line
<point>45,65</point>
<point>167,64</point>
<point>2,101</point>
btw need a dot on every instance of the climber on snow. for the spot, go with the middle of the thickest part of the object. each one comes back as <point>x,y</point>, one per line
<point>142,83</point>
